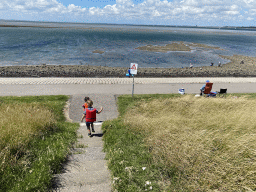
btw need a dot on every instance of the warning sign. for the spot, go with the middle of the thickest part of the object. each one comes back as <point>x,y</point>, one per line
<point>133,68</point>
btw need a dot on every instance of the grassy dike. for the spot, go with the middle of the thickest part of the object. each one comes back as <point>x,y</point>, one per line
<point>34,141</point>
<point>183,143</point>
<point>129,157</point>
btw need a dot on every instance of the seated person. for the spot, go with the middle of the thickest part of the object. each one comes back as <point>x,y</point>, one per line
<point>203,87</point>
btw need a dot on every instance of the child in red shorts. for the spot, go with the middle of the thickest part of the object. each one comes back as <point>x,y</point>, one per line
<point>90,117</point>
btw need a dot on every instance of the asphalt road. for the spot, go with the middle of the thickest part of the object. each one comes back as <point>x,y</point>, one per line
<point>117,86</point>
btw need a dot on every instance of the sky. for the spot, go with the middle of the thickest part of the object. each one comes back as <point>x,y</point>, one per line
<point>145,12</point>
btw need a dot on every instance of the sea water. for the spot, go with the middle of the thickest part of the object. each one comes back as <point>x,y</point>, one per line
<point>74,44</point>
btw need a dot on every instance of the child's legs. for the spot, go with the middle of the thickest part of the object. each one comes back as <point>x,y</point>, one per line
<point>92,126</point>
<point>88,127</point>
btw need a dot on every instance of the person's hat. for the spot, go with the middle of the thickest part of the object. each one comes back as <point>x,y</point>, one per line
<point>207,81</point>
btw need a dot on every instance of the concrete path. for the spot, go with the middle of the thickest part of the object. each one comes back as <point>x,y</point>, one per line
<point>86,168</point>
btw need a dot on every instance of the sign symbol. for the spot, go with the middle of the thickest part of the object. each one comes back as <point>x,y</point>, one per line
<point>133,67</point>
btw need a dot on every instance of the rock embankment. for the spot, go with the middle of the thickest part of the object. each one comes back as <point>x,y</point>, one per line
<point>232,69</point>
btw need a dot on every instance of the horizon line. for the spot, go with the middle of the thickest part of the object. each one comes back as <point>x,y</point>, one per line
<point>161,25</point>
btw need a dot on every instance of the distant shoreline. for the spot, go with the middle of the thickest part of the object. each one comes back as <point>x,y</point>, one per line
<point>249,28</point>
<point>231,69</point>
<point>28,26</point>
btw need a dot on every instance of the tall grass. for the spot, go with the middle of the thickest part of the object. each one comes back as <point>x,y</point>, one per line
<point>128,155</point>
<point>204,144</point>
<point>19,124</point>
<point>34,141</point>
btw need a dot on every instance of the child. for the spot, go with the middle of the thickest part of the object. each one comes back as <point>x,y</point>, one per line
<point>90,116</point>
<point>85,106</point>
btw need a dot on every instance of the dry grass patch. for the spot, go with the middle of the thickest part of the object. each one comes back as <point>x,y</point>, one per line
<point>202,46</point>
<point>210,142</point>
<point>175,46</point>
<point>19,123</point>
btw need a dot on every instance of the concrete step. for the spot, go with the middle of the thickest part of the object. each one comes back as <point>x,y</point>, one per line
<point>91,142</point>
<point>102,187</point>
<point>83,179</point>
<point>84,166</point>
<point>90,153</point>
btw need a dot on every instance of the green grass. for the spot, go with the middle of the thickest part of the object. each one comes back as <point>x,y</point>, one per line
<point>81,146</point>
<point>184,143</point>
<point>29,164</point>
<point>127,155</point>
<point>127,152</point>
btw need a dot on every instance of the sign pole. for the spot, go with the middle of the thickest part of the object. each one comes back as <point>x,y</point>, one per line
<point>133,85</point>
<point>133,71</point>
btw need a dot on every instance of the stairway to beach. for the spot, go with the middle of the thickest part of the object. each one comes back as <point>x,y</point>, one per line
<point>86,168</point>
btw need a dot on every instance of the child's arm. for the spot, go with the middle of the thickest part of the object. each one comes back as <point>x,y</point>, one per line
<point>82,118</point>
<point>100,110</point>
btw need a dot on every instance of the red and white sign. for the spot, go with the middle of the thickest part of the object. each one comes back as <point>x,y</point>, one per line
<point>133,68</point>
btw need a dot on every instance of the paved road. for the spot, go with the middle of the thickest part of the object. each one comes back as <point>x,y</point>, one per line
<point>87,170</point>
<point>116,86</point>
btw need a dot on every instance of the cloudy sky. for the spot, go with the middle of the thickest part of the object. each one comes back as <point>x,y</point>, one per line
<point>162,12</point>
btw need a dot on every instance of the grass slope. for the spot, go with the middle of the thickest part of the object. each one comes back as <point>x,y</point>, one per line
<point>35,141</point>
<point>128,154</point>
<point>183,143</point>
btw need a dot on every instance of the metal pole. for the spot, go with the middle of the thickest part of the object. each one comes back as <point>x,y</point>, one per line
<point>133,85</point>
